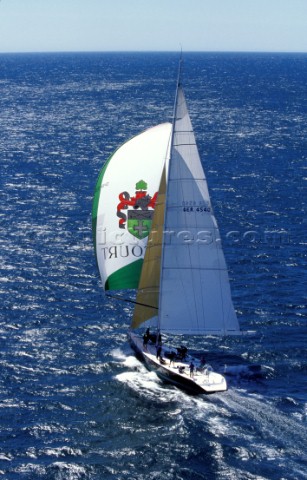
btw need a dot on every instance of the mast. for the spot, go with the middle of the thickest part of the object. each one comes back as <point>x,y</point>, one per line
<point>167,173</point>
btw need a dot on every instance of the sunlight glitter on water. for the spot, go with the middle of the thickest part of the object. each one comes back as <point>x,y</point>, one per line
<point>74,402</point>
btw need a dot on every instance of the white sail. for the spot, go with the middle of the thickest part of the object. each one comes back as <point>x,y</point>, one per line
<point>195,294</point>
<point>123,206</point>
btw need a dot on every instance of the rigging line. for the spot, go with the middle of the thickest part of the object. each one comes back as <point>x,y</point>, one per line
<point>117,297</point>
<point>167,177</point>
<point>205,269</point>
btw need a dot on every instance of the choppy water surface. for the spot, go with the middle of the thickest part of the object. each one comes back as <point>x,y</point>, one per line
<point>75,403</point>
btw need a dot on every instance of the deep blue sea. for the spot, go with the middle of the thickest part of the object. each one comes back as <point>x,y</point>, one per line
<point>74,401</point>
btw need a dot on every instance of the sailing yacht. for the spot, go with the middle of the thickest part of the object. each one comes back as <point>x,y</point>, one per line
<point>164,241</point>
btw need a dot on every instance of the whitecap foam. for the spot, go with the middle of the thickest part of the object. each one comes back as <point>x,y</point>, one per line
<point>31,468</point>
<point>7,458</point>
<point>133,362</point>
<point>118,354</point>
<point>67,471</point>
<point>143,380</point>
<point>62,452</point>
<point>148,384</point>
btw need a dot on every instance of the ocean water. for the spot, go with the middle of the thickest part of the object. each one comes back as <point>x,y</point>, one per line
<point>74,401</point>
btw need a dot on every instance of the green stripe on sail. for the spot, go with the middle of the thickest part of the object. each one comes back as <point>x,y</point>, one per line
<point>126,277</point>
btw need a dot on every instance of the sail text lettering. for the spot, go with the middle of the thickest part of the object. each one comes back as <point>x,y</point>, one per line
<point>122,251</point>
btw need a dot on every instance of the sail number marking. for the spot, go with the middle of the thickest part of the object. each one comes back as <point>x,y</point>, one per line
<point>191,206</point>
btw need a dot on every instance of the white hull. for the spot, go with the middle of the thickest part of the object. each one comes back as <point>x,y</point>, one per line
<point>203,381</point>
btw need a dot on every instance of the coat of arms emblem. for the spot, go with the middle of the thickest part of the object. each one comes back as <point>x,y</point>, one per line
<point>139,216</point>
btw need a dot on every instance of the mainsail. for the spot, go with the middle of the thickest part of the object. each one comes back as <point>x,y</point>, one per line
<point>184,276</point>
<point>124,202</point>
